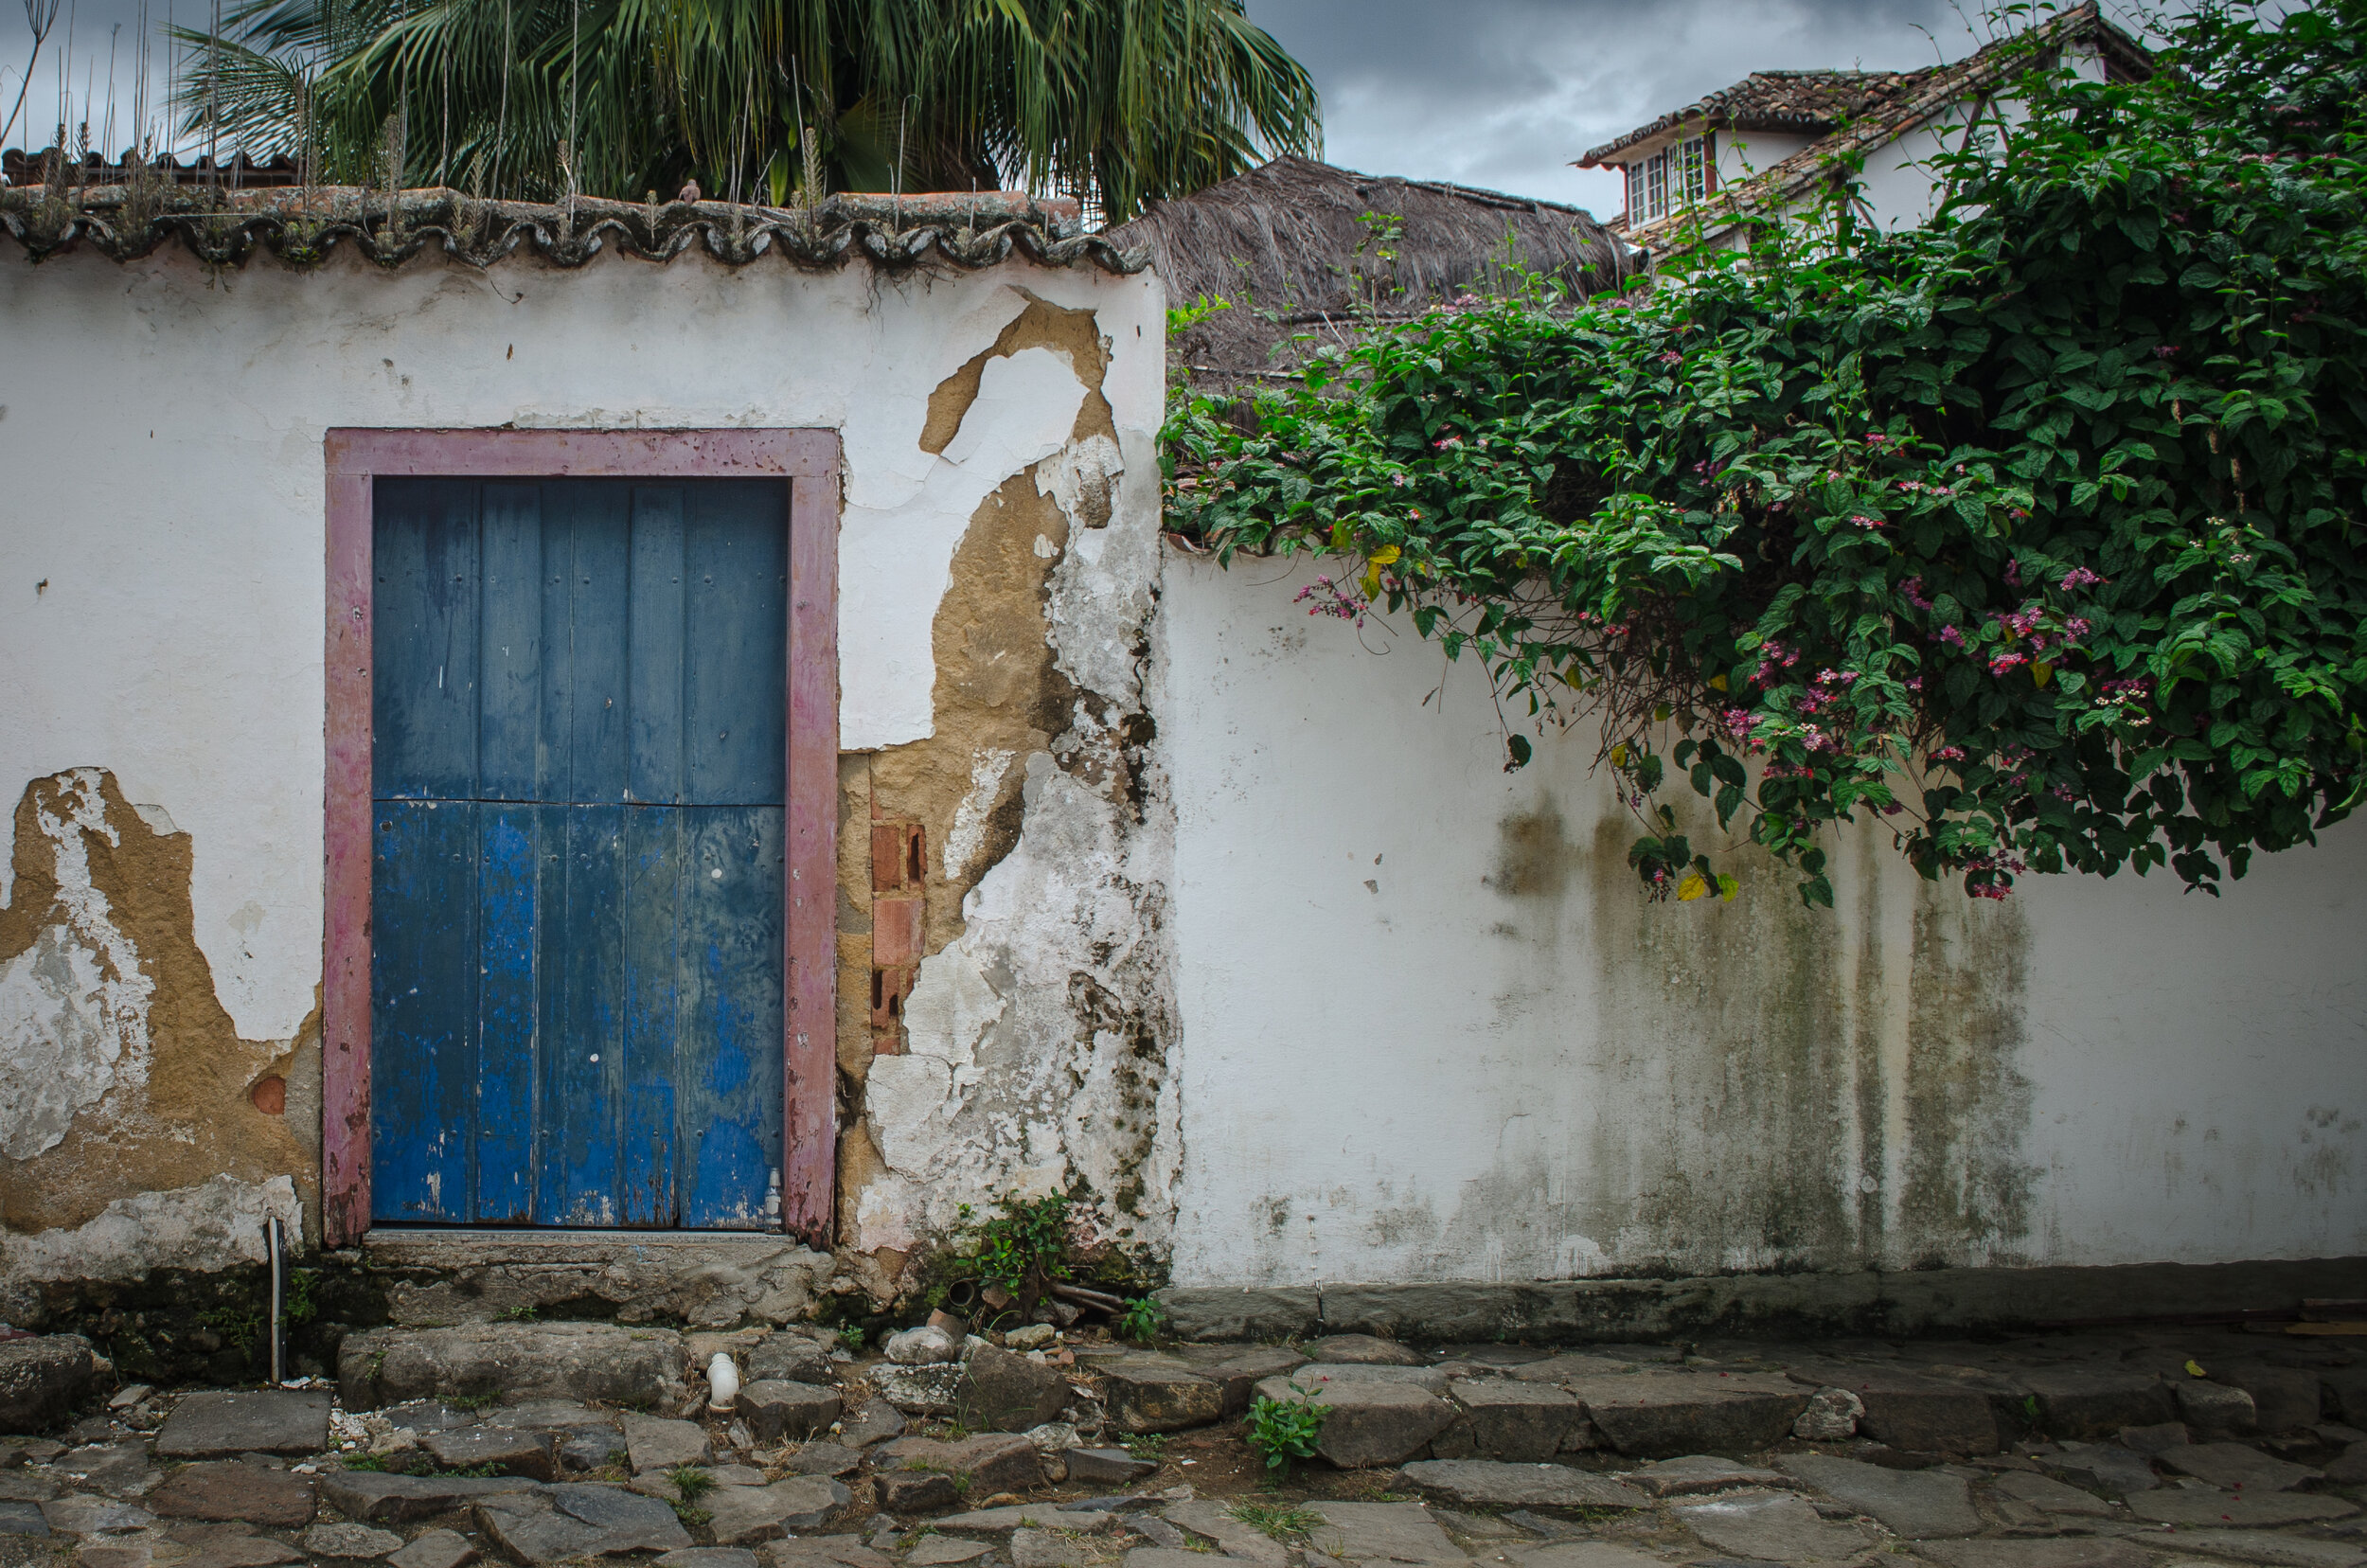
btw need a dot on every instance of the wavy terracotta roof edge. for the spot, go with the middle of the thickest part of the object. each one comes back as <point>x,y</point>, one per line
<point>954,231</point>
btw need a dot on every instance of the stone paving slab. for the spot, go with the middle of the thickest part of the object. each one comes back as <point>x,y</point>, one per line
<point>1660,1415</point>
<point>654,1443</point>
<point>1047,1515</point>
<point>1370,1424</point>
<point>1314,1375</point>
<point>22,1519</point>
<point>1522,1422</point>
<point>505,1450</point>
<point>350,1541</point>
<point>743,1515</point>
<point>385,1499</point>
<point>436,1549</point>
<point>1771,1525</point>
<point>1154,1394</point>
<point>605,1362</point>
<point>1489,1484</point>
<point>1700,1475</point>
<point>119,1470</point>
<point>1573,1554</point>
<point>43,1379</point>
<point>2049,1495</point>
<point>2081,1402</point>
<point>1364,1348</point>
<point>2060,1552</point>
<point>79,1515</point>
<point>2232,1464</point>
<point>708,1556</point>
<point>226,1489</point>
<point>941,1552</point>
<point>214,1425</point>
<point>1214,1520</point>
<point>1918,1504</point>
<point>2206,1508</point>
<point>1922,1409</point>
<point>2215,1548</point>
<point>17,1486</point>
<point>993,1461</point>
<point>1390,1532</point>
<point>245,1551</point>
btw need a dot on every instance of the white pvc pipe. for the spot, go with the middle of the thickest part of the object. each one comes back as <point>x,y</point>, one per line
<point>723,1381</point>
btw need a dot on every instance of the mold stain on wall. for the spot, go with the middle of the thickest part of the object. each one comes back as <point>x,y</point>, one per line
<point>123,1082</point>
<point>1768,1087</point>
<point>1031,1054</point>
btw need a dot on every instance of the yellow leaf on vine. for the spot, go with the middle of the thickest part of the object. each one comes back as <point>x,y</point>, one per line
<point>1728,887</point>
<point>1619,756</point>
<point>2042,674</point>
<point>1692,888</point>
<point>1718,682</point>
<point>1371,583</point>
<point>1385,555</point>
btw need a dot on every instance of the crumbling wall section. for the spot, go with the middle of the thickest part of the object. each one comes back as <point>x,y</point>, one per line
<point>138,1129</point>
<point>1005,932</point>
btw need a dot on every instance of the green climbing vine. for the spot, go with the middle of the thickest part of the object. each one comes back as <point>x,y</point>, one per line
<point>2034,533</point>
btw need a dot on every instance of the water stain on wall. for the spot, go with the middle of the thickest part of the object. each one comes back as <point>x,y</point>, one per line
<point>1773,1087</point>
<point>144,1085</point>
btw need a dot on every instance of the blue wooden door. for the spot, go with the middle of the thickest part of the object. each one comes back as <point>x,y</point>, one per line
<point>577,898</point>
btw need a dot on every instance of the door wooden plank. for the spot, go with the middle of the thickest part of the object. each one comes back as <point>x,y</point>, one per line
<point>510,702</point>
<point>514,870</point>
<point>423,704</point>
<point>729,1071</point>
<point>734,672</point>
<point>582,1177</point>
<point>656,638</point>
<point>654,876</point>
<point>599,583</point>
<point>423,900</point>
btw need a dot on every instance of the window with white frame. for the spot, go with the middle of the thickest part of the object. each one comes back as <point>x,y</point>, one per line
<point>1675,177</point>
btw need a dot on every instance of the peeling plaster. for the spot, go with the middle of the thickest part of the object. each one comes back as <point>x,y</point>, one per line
<point>122,1073</point>
<point>73,1003</point>
<point>1038,1034</point>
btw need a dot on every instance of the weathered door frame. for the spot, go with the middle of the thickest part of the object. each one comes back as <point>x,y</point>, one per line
<point>808,462</point>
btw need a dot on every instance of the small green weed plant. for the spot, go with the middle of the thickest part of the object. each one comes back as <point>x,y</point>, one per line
<point>1283,1430</point>
<point>1142,1319</point>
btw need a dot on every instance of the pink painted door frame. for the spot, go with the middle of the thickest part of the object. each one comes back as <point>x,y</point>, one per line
<point>808,462</point>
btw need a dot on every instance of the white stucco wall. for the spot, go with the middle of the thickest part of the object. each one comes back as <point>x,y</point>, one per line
<point>162,434</point>
<point>1432,1029</point>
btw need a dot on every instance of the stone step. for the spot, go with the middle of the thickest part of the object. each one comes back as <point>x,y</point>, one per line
<point>640,1368</point>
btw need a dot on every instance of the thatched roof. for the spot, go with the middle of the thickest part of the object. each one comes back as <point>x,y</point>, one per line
<point>1296,245</point>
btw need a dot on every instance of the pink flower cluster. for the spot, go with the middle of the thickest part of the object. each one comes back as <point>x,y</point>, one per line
<point>1331,600</point>
<point>1949,636</point>
<point>1865,521</point>
<point>2001,663</point>
<point>1949,754</point>
<point>1912,589</point>
<point>2080,576</point>
<point>1774,658</point>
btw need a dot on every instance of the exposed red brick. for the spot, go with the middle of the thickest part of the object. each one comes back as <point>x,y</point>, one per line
<point>895,931</point>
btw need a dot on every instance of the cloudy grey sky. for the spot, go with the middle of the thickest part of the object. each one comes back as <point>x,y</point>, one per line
<point>1504,93</point>
<point>1494,93</point>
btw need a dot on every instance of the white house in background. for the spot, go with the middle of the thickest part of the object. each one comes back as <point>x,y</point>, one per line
<point>1777,141</point>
